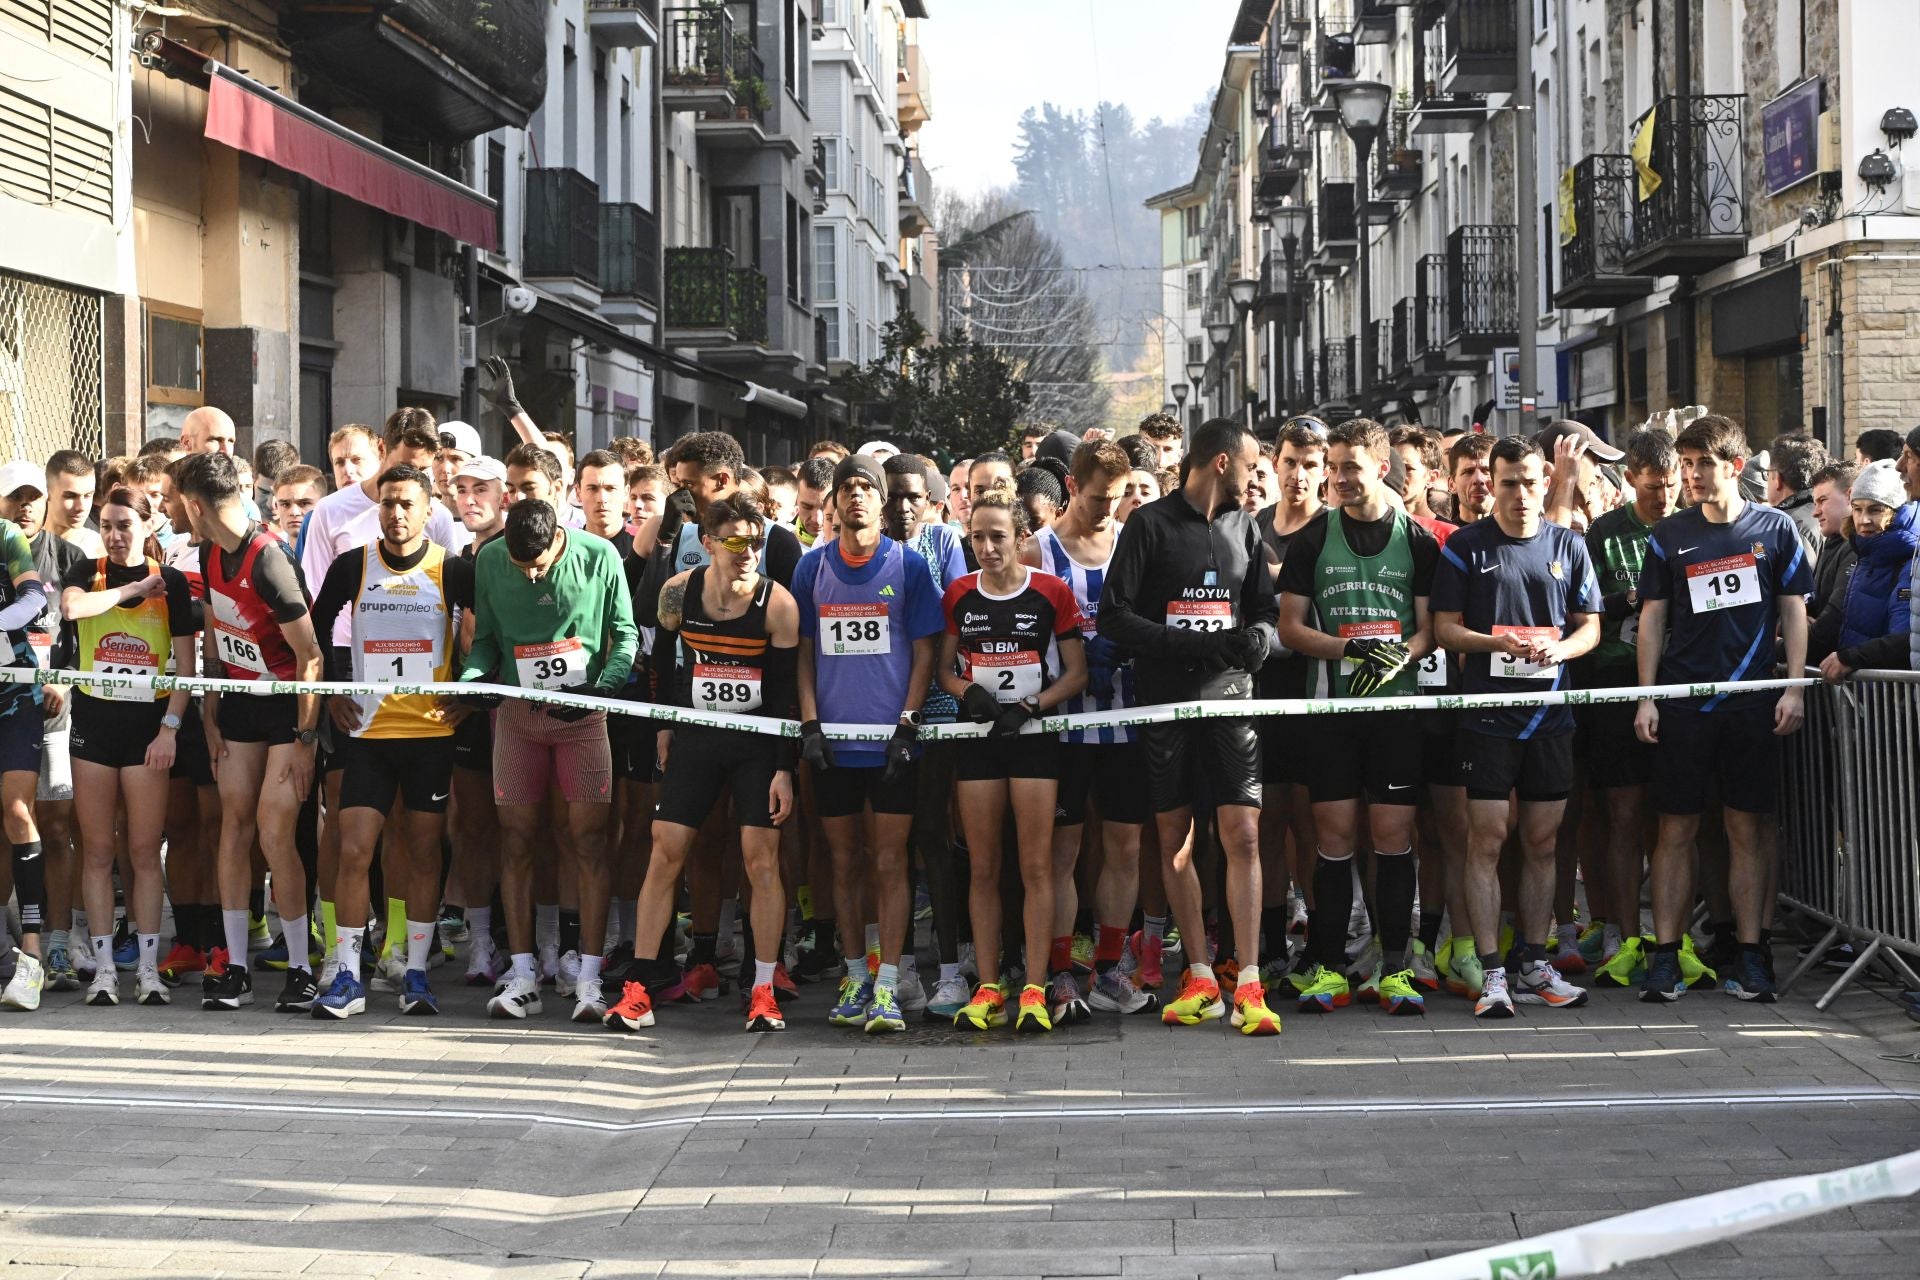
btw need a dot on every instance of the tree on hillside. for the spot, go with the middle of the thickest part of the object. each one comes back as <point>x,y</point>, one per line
<point>954,398</point>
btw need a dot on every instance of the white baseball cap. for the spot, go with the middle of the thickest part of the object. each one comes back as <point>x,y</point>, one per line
<point>19,474</point>
<point>481,467</point>
<point>878,450</point>
<point>461,436</point>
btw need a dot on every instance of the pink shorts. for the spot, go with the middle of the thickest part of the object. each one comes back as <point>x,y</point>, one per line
<point>532,752</point>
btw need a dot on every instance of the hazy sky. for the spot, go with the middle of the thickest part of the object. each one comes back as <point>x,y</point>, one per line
<point>992,59</point>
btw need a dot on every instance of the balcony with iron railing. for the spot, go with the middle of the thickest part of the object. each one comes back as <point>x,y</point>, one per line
<point>1690,213</point>
<point>1482,290</point>
<point>1409,368</point>
<point>1337,228</point>
<point>711,302</point>
<point>1381,379</point>
<point>916,196</point>
<point>1331,63</point>
<point>1374,20</point>
<point>629,253</point>
<point>743,121</point>
<point>1397,164</point>
<point>1280,161</point>
<point>1436,111</point>
<point>1481,39</point>
<point>624,24</point>
<point>562,241</point>
<point>698,59</point>
<point>1335,394</point>
<point>1593,269</point>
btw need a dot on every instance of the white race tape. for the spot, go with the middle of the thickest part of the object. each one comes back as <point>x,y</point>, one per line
<point>1670,1228</point>
<point>1239,708</point>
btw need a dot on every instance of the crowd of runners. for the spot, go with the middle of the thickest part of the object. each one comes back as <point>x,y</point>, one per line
<point>1208,865</point>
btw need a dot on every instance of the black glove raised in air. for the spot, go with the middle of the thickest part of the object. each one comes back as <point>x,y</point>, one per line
<point>502,395</point>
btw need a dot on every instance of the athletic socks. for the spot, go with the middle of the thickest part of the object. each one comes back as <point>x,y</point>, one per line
<point>888,979</point>
<point>1273,930</point>
<point>546,925</point>
<point>762,972</point>
<point>589,970</point>
<point>949,972</point>
<point>1395,884</point>
<point>705,946</point>
<point>420,935</point>
<point>293,932</point>
<point>1430,930</point>
<point>329,926</point>
<point>234,927</point>
<point>1154,926</point>
<point>1060,955</point>
<point>1333,883</point>
<point>1108,947</point>
<point>102,951</point>
<point>149,952</point>
<point>479,921</point>
<point>30,882</point>
<point>523,966</point>
<point>570,931</point>
<point>346,949</point>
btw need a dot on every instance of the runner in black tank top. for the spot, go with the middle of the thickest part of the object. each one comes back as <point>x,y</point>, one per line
<point>740,665</point>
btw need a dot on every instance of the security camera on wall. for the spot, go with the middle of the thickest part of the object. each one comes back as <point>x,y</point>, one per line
<point>519,300</point>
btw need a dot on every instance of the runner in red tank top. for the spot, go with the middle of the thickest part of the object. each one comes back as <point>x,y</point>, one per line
<point>262,745</point>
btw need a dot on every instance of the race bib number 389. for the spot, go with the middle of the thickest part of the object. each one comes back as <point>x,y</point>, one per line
<point>718,687</point>
<point>1726,583</point>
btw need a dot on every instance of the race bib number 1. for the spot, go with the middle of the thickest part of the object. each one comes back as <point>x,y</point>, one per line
<point>850,630</point>
<point>559,664</point>
<point>1509,666</point>
<point>1726,583</point>
<point>401,661</point>
<point>1200,615</point>
<point>724,688</point>
<point>1010,676</point>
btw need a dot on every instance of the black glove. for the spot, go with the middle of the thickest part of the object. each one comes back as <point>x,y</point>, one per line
<point>1011,720</point>
<point>1248,649</point>
<point>479,701</point>
<point>495,367</point>
<point>677,510</point>
<point>899,753</point>
<point>813,745</point>
<point>1380,661</point>
<point>570,714</point>
<point>981,706</point>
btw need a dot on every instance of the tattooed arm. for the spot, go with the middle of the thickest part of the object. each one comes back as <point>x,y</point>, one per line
<point>673,600</point>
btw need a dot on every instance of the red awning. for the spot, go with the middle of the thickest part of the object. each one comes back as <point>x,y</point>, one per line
<point>250,117</point>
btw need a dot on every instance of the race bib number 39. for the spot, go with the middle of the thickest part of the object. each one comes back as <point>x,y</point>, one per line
<point>1508,666</point>
<point>401,661</point>
<point>1726,583</point>
<point>1010,676</point>
<point>723,688</point>
<point>559,664</point>
<point>1200,615</point>
<point>850,630</point>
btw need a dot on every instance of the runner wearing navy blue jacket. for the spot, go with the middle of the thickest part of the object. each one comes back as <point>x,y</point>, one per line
<point>1516,600</point>
<point>1720,578</point>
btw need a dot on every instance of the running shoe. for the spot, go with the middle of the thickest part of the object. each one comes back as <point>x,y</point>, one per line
<point>1147,955</point>
<point>272,956</point>
<point>258,935</point>
<point>79,953</point>
<point>1664,980</point>
<point>344,997</point>
<point>226,987</point>
<point>909,991</point>
<point>298,995</point>
<point>1065,1004</point>
<point>1365,960</point>
<point>589,1003</point>
<point>329,969</point>
<point>702,982</point>
<point>820,964</point>
<point>568,976</point>
<point>547,962</point>
<point>416,997</point>
<point>1296,911</point>
<point>784,986</point>
<point>149,990</point>
<point>1322,990</point>
<point>1723,952</point>
<point>1494,1002</point>
<point>483,962</point>
<point>389,971</point>
<point>1399,993</point>
<point>1610,940</point>
<point>1368,988</point>
<point>1443,958</point>
<point>884,1013</point>
<point>1540,982</point>
<point>1566,951</point>
<point>23,988</point>
<point>1250,1012</point>
<point>1593,943</point>
<point>987,1009</point>
<point>60,972</point>
<point>1751,981</point>
<point>949,998</point>
<point>1691,966</point>
<point>1114,992</point>
<point>851,1009</point>
<point>180,963</point>
<point>1421,964</point>
<point>1626,967</point>
<point>1226,972</point>
<point>104,990</point>
<point>1199,1001</point>
<point>1467,977</point>
<point>763,1009</point>
<point>1082,953</point>
<point>634,1011</point>
<point>922,903</point>
<point>453,928</point>
<point>969,963</point>
<point>1034,1015</point>
<point>518,997</point>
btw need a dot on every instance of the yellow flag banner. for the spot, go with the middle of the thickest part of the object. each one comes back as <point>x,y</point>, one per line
<point>1569,225</point>
<point>1643,155</point>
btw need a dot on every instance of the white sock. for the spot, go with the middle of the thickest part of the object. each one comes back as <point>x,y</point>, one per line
<point>149,952</point>
<point>420,936</point>
<point>79,922</point>
<point>346,948</point>
<point>235,926</point>
<point>910,965</point>
<point>888,978</point>
<point>293,932</point>
<point>546,925</point>
<point>1200,970</point>
<point>949,972</point>
<point>479,921</point>
<point>103,953</point>
<point>56,938</point>
<point>589,970</point>
<point>762,973</point>
<point>523,966</point>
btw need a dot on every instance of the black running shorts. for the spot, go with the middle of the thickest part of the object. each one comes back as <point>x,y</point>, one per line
<point>1217,755</point>
<point>701,762</point>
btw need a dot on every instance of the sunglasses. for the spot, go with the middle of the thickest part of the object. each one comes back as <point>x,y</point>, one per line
<point>739,546</point>
<point>1314,425</point>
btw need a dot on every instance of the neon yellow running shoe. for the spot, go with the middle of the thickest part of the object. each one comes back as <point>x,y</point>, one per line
<point>1199,1001</point>
<point>1325,991</point>
<point>1034,1015</point>
<point>1466,977</point>
<point>1628,968</point>
<point>1398,995</point>
<point>1691,965</point>
<point>1250,1012</point>
<point>987,1009</point>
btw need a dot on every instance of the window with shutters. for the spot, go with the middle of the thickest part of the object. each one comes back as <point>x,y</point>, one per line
<point>826,263</point>
<point>84,27</point>
<point>176,355</point>
<point>50,158</point>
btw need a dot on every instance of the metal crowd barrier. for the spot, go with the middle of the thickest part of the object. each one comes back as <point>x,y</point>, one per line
<point>1850,824</point>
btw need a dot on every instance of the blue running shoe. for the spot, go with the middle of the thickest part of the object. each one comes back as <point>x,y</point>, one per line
<point>272,956</point>
<point>126,954</point>
<point>416,997</point>
<point>883,1014</point>
<point>1663,978</point>
<point>1750,980</point>
<point>346,997</point>
<point>851,1009</point>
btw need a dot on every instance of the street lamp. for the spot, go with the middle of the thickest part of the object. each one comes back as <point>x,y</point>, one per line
<point>1197,378</point>
<point>1242,292</point>
<point>1363,109</point>
<point>1290,221</point>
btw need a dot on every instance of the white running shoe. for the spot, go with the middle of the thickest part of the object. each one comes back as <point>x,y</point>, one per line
<point>1494,1002</point>
<point>23,989</point>
<point>568,976</point>
<point>483,962</point>
<point>969,966</point>
<point>1540,983</point>
<point>547,963</point>
<point>104,990</point>
<point>1114,992</point>
<point>910,992</point>
<point>949,998</point>
<point>388,972</point>
<point>328,968</point>
<point>590,1006</point>
<point>518,997</point>
<point>149,990</point>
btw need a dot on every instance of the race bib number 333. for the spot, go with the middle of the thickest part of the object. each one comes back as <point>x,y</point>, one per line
<point>1200,615</point>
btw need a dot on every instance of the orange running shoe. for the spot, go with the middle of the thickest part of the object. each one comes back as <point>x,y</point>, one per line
<point>634,1011</point>
<point>1226,971</point>
<point>181,962</point>
<point>701,983</point>
<point>216,963</point>
<point>763,1014</point>
<point>783,985</point>
<point>1199,1001</point>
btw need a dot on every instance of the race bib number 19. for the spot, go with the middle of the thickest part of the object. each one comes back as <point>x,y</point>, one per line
<point>1726,583</point>
<point>559,664</point>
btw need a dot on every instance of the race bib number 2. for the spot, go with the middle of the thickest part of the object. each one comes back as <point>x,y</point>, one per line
<point>1727,583</point>
<point>559,664</point>
<point>1010,676</point>
<point>850,630</point>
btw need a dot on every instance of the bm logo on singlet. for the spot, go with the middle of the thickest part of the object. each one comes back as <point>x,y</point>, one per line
<point>1525,1266</point>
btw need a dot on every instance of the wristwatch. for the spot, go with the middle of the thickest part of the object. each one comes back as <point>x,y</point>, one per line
<point>307,737</point>
<point>1032,703</point>
<point>170,721</point>
<point>910,717</point>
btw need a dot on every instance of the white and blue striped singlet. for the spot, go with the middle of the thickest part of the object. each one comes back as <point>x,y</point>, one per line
<point>1086,584</point>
